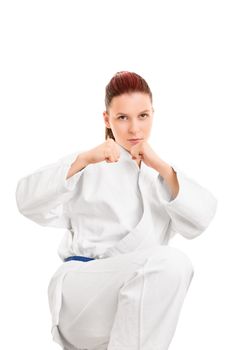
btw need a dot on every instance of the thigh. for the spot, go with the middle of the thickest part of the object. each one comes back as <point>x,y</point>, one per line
<point>90,295</point>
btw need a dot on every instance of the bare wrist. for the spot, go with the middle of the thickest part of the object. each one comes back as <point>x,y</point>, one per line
<point>80,162</point>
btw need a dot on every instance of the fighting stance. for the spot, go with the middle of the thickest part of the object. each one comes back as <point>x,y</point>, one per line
<point>120,286</point>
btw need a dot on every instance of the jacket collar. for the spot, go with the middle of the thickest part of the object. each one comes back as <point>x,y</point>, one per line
<point>125,154</point>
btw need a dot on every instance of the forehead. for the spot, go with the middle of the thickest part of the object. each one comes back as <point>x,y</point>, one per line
<point>131,102</point>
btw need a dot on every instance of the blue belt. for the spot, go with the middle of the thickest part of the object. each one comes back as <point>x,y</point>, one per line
<point>78,257</point>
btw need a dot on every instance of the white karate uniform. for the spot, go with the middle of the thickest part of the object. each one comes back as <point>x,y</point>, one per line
<point>131,295</point>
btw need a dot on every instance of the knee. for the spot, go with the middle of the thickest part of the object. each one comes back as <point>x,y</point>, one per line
<point>174,262</point>
<point>180,262</point>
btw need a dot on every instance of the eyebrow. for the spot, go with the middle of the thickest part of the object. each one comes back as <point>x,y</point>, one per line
<point>146,110</point>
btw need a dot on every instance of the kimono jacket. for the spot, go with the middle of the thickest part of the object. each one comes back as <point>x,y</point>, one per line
<point>108,209</point>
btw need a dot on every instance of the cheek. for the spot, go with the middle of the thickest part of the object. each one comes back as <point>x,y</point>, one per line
<point>147,126</point>
<point>120,127</point>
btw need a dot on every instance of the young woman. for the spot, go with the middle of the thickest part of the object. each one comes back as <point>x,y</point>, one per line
<point>120,285</point>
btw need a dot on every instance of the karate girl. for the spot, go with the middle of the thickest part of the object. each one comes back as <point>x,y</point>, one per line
<point>120,286</point>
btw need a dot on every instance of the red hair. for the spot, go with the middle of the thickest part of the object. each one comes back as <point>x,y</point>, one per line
<point>121,83</point>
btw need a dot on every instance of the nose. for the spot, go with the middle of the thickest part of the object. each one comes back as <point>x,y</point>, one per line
<point>134,127</point>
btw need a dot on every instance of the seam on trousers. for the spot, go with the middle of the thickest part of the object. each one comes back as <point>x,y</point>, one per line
<point>140,317</point>
<point>140,308</point>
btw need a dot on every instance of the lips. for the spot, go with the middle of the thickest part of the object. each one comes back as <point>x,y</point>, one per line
<point>134,139</point>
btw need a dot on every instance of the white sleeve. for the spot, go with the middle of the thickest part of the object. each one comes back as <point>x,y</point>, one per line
<point>192,210</point>
<point>40,196</point>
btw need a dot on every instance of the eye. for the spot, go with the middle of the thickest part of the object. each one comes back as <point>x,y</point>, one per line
<point>124,116</point>
<point>145,115</point>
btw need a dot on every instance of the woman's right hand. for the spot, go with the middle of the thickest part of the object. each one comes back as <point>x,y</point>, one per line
<point>108,151</point>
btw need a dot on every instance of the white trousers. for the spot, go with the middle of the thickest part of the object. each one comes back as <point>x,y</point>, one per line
<point>127,302</point>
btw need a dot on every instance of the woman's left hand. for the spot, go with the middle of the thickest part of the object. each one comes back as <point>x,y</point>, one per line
<point>143,151</point>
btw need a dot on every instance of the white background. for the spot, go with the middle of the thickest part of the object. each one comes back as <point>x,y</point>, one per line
<point>56,59</point>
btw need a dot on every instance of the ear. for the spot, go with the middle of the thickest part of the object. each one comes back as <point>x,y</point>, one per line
<point>106,119</point>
